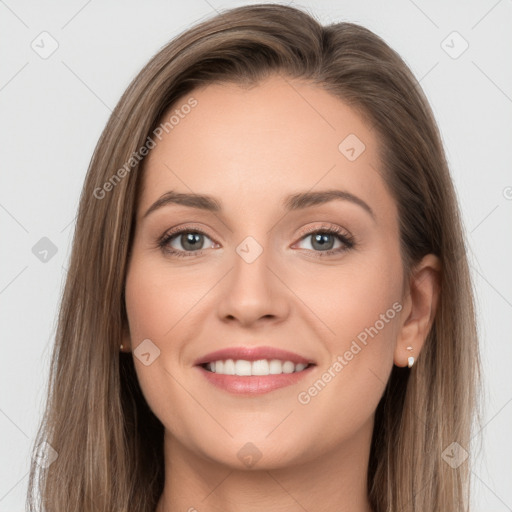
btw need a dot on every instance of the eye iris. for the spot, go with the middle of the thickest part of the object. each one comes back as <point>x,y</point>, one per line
<point>190,241</point>
<point>321,239</point>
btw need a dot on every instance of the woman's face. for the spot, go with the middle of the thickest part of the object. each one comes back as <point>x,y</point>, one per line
<point>256,276</point>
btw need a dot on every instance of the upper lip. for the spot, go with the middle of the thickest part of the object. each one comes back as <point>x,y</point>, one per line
<point>252,354</point>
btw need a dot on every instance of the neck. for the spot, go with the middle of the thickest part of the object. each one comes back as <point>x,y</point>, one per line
<point>333,481</point>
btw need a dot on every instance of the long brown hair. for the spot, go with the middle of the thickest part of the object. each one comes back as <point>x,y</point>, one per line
<point>108,443</point>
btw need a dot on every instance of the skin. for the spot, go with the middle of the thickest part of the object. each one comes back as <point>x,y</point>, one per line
<point>250,148</point>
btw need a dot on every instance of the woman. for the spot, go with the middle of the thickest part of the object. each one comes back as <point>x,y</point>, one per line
<point>268,303</point>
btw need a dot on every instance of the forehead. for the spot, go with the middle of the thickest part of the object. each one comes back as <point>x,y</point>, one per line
<point>252,146</point>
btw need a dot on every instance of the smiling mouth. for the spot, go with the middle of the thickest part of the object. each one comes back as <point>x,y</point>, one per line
<point>259,368</point>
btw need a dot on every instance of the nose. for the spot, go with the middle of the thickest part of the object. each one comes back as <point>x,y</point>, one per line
<point>253,292</point>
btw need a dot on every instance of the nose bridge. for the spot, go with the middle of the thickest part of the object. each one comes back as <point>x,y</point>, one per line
<point>252,260</point>
<point>250,279</point>
<point>252,290</point>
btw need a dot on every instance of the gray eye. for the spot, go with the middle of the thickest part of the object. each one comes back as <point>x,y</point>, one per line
<point>189,240</point>
<point>321,241</point>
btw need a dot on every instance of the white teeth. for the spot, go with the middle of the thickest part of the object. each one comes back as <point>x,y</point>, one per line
<point>229,367</point>
<point>260,367</point>
<point>243,367</point>
<point>276,367</point>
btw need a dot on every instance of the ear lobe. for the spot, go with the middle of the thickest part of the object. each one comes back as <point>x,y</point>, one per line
<point>421,304</point>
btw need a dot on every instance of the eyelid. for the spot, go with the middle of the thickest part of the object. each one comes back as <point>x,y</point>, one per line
<point>301,234</point>
<point>334,228</point>
<point>324,227</point>
<point>184,227</point>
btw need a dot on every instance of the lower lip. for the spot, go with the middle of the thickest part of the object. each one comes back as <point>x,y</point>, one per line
<point>254,384</point>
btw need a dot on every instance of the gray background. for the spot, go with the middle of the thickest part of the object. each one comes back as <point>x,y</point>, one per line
<point>54,107</point>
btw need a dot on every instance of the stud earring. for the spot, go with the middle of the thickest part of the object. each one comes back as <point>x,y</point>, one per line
<point>410,359</point>
<point>121,347</point>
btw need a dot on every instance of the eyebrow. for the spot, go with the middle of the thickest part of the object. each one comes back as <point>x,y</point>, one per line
<point>292,202</point>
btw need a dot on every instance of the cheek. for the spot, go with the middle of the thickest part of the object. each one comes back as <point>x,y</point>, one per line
<point>357,306</point>
<point>366,310</point>
<point>157,299</point>
<point>350,300</point>
<point>155,303</point>
<point>361,308</point>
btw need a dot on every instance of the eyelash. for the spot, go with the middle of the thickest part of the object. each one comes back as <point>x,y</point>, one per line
<point>347,240</point>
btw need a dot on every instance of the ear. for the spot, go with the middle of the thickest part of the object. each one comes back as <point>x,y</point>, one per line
<point>420,300</point>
